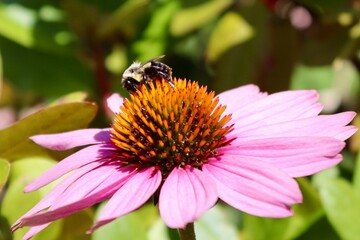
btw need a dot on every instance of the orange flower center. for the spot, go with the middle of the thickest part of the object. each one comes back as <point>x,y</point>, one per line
<point>170,127</point>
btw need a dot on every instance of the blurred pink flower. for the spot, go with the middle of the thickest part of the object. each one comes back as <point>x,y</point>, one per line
<point>247,160</point>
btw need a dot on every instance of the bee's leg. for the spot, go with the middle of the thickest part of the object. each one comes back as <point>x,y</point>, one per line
<point>167,76</point>
<point>171,83</point>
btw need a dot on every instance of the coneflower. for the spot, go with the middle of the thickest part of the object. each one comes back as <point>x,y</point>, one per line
<point>187,148</point>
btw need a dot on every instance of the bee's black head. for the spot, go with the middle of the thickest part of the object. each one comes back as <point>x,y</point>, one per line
<point>130,84</point>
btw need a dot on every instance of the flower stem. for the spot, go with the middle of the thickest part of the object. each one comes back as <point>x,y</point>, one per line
<point>188,233</point>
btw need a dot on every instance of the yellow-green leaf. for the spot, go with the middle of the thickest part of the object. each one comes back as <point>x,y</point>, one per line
<point>123,18</point>
<point>341,204</point>
<point>190,19</point>
<point>306,213</point>
<point>15,142</point>
<point>68,98</point>
<point>16,23</point>
<point>132,226</point>
<point>75,226</point>
<point>356,178</point>
<point>16,202</point>
<point>216,224</point>
<point>231,30</point>
<point>4,172</point>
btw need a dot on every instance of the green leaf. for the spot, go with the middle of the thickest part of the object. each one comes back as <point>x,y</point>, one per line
<point>337,83</point>
<point>324,176</point>
<point>231,30</point>
<point>258,228</point>
<point>341,204</point>
<point>305,216</point>
<point>306,213</point>
<point>15,142</point>
<point>190,19</point>
<point>4,230</point>
<point>154,41</point>
<point>216,224</point>
<point>318,78</point>
<point>325,6</point>
<point>241,65</point>
<point>69,98</point>
<point>116,61</point>
<point>75,226</point>
<point>43,28</point>
<point>43,73</point>
<point>159,230</point>
<point>30,168</point>
<point>321,78</point>
<point>132,226</point>
<point>346,82</point>
<point>16,202</point>
<point>356,177</point>
<point>18,29</point>
<point>127,14</point>
<point>1,76</point>
<point>4,172</point>
<point>24,171</point>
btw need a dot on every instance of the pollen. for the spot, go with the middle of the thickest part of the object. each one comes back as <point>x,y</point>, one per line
<point>168,127</point>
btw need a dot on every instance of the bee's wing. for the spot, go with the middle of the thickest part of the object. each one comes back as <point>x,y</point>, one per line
<point>153,59</point>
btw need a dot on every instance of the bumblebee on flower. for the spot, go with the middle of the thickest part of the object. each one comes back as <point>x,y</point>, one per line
<point>242,146</point>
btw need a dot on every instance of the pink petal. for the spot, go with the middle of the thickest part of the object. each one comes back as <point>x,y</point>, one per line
<point>297,156</point>
<point>311,166</point>
<point>133,194</point>
<point>74,161</point>
<point>106,189</point>
<point>56,192</point>
<point>254,186</point>
<point>86,184</point>
<point>323,125</point>
<point>34,230</point>
<point>239,97</point>
<point>185,196</point>
<point>114,102</point>
<point>68,140</point>
<point>277,108</point>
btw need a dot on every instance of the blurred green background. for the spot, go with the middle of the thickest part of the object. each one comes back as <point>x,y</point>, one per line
<point>59,58</point>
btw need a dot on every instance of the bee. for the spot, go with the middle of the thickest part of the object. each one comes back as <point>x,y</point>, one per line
<point>138,74</point>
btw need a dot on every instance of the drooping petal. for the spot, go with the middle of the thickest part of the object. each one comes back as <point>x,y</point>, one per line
<point>114,102</point>
<point>185,196</point>
<point>68,140</point>
<point>323,125</point>
<point>57,191</point>
<point>277,108</point>
<point>297,156</point>
<point>85,185</point>
<point>34,230</point>
<point>105,190</point>
<point>254,186</point>
<point>239,97</point>
<point>133,194</point>
<point>74,161</point>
